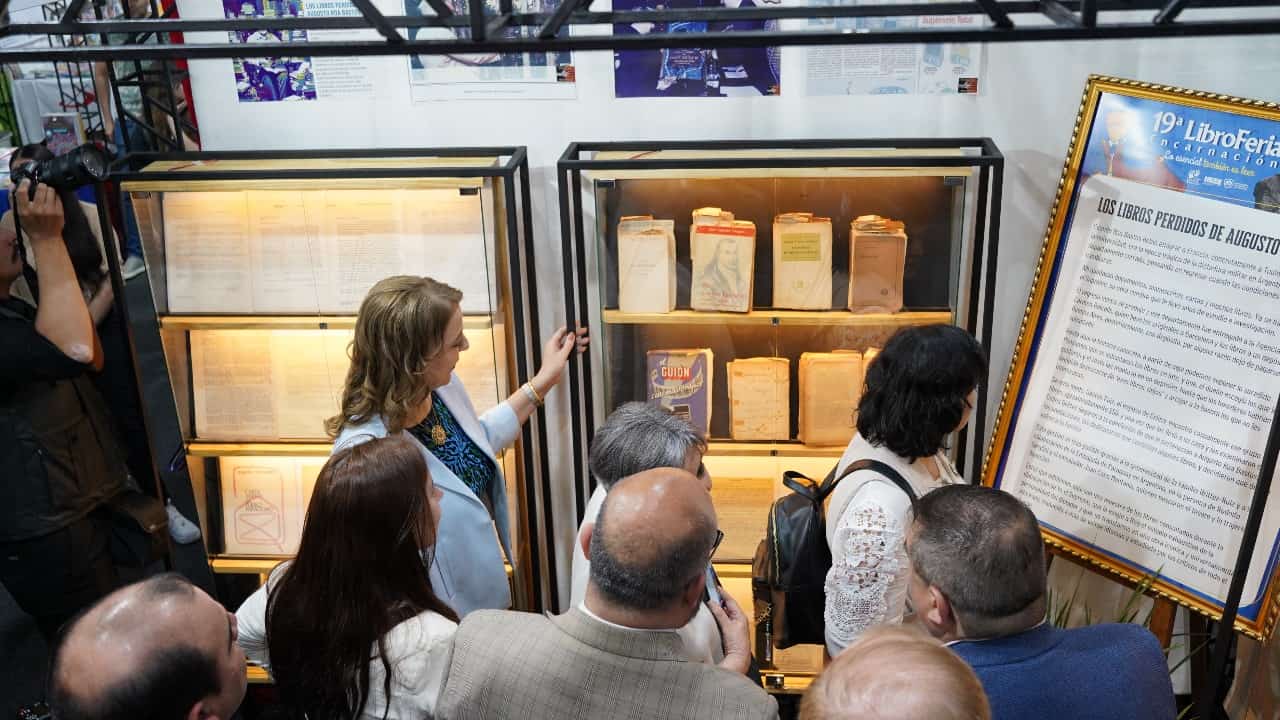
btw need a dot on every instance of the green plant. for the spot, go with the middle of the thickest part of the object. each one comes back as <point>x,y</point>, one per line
<point>1060,613</point>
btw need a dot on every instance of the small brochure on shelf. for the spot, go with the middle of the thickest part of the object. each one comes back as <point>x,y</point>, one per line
<point>760,398</point>
<point>877,262</point>
<point>681,381</point>
<point>646,265</point>
<point>830,388</point>
<point>801,261</point>
<point>723,252</point>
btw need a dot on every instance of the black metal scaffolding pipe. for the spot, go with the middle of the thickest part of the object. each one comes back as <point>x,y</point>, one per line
<point>1207,704</point>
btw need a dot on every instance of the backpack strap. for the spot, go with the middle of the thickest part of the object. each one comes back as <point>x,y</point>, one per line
<point>875,466</point>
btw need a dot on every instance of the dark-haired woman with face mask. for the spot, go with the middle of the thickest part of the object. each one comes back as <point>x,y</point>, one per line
<point>919,390</point>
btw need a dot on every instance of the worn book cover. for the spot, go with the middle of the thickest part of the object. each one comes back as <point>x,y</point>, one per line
<point>830,388</point>
<point>681,381</point>
<point>760,398</point>
<point>646,265</point>
<point>801,261</point>
<point>723,253</point>
<point>877,261</point>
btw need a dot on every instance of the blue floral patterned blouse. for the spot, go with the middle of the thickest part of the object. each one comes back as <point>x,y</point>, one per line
<point>457,451</point>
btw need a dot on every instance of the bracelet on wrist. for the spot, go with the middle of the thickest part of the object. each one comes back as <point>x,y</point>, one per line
<point>532,394</point>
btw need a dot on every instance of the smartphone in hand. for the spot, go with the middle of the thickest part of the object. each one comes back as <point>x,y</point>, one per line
<point>713,587</point>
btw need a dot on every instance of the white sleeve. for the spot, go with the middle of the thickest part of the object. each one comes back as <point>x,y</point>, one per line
<point>251,626</point>
<point>501,426</point>
<point>867,583</point>
<point>419,673</point>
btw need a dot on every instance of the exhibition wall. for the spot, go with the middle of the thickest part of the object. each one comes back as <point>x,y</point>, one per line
<point>1027,102</point>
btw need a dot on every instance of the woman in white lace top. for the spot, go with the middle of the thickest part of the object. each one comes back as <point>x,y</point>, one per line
<point>919,390</point>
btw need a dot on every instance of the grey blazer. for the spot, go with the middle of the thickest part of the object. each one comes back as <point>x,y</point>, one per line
<point>524,666</point>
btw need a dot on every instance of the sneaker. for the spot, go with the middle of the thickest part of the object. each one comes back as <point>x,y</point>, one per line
<point>133,267</point>
<point>182,530</point>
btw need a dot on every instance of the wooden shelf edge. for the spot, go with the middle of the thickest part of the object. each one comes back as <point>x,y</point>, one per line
<point>721,448</point>
<point>202,448</point>
<point>842,318</point>
<point>286,322</point>
<point>237,565</point>
<point>257,675</point>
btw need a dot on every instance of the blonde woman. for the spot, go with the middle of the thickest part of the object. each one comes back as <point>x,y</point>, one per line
<point>407,341</point>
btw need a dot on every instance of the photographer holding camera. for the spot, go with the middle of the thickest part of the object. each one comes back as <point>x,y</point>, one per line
<point>80,231</point>
<point>59,459</point>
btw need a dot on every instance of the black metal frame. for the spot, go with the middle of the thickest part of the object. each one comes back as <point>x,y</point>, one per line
<point>576,159</point>
<point>1048,20</point>
<point>73,92</point>
<point>155,85</point>
<point>513,173</point>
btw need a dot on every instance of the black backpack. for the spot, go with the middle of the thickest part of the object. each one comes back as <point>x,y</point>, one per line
<point>790,567</point>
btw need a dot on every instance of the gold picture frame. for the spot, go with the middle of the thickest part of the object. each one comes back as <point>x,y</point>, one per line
<point>1259,623</point>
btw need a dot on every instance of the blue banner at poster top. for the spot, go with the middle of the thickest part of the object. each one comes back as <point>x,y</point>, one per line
<point>1223,155</point>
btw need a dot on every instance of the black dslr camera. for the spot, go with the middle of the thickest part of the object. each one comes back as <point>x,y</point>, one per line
<point>81,166</point>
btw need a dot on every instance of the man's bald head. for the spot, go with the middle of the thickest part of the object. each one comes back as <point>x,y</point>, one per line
<point>652,538</point>
<point>159,649</point>
<point>896,673</point>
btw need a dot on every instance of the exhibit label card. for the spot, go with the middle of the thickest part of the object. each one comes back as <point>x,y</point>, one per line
<point>1144,385</point>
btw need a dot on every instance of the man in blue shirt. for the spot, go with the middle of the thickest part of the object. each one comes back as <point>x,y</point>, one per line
<point>978,584</point>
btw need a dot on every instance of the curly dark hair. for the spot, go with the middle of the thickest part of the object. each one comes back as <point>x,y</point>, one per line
<point>917,388</point>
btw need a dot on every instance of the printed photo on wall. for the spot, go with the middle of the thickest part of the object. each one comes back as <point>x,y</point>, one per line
<point>545,75</point>
<point>695,72</point>
<point>272,78</point>
<point>1205,151</point>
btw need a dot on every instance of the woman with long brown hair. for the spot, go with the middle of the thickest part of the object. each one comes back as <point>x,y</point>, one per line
<point>351,628</point>
<point>408,338</point>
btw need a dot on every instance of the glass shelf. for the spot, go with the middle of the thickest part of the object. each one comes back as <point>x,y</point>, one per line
<point>258,449</point>
<point>795,318</point>
<point>286,322</point>
<point>768,448</point>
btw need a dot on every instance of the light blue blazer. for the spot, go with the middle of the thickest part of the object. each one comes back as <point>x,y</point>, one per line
<point>468,571</point>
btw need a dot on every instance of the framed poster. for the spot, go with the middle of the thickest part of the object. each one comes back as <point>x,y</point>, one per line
<point>1144,380</point>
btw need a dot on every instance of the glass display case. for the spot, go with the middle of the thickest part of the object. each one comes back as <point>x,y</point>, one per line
<point>745,285</point>
<point>258,263</point>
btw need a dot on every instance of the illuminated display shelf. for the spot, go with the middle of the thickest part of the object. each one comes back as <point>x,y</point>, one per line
<point>771,448</point>
<point>286,322</point>
<point>778,317</point>
<point>257,263</point>
<point>259,449</point>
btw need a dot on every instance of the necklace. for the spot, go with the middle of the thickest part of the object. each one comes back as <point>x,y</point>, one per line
<point>438,434</point>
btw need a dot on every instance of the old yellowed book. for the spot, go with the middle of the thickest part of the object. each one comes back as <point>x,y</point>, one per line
<point>760,398</point>
<point>877,262</point>
<point>830,387</point>
<point>801,261</point>
<point>742,509</point>
<point>646,265</point>
<point>723,252</point>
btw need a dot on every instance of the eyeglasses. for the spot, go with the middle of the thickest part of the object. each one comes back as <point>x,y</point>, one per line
<point>716,543</point>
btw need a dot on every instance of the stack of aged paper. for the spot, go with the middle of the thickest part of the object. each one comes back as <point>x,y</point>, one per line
<point>306,251</point>
<point>265,385</point>
<point>760,398</point>
<point>264,502</point>
<point>830,387</point>
<point>723,252</point>
<point>646,265</point>
<point>681,381</point>
<point>877,261</point>
<point>801,261</point>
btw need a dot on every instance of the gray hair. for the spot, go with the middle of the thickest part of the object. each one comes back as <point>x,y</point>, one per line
<point>640,436</point>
